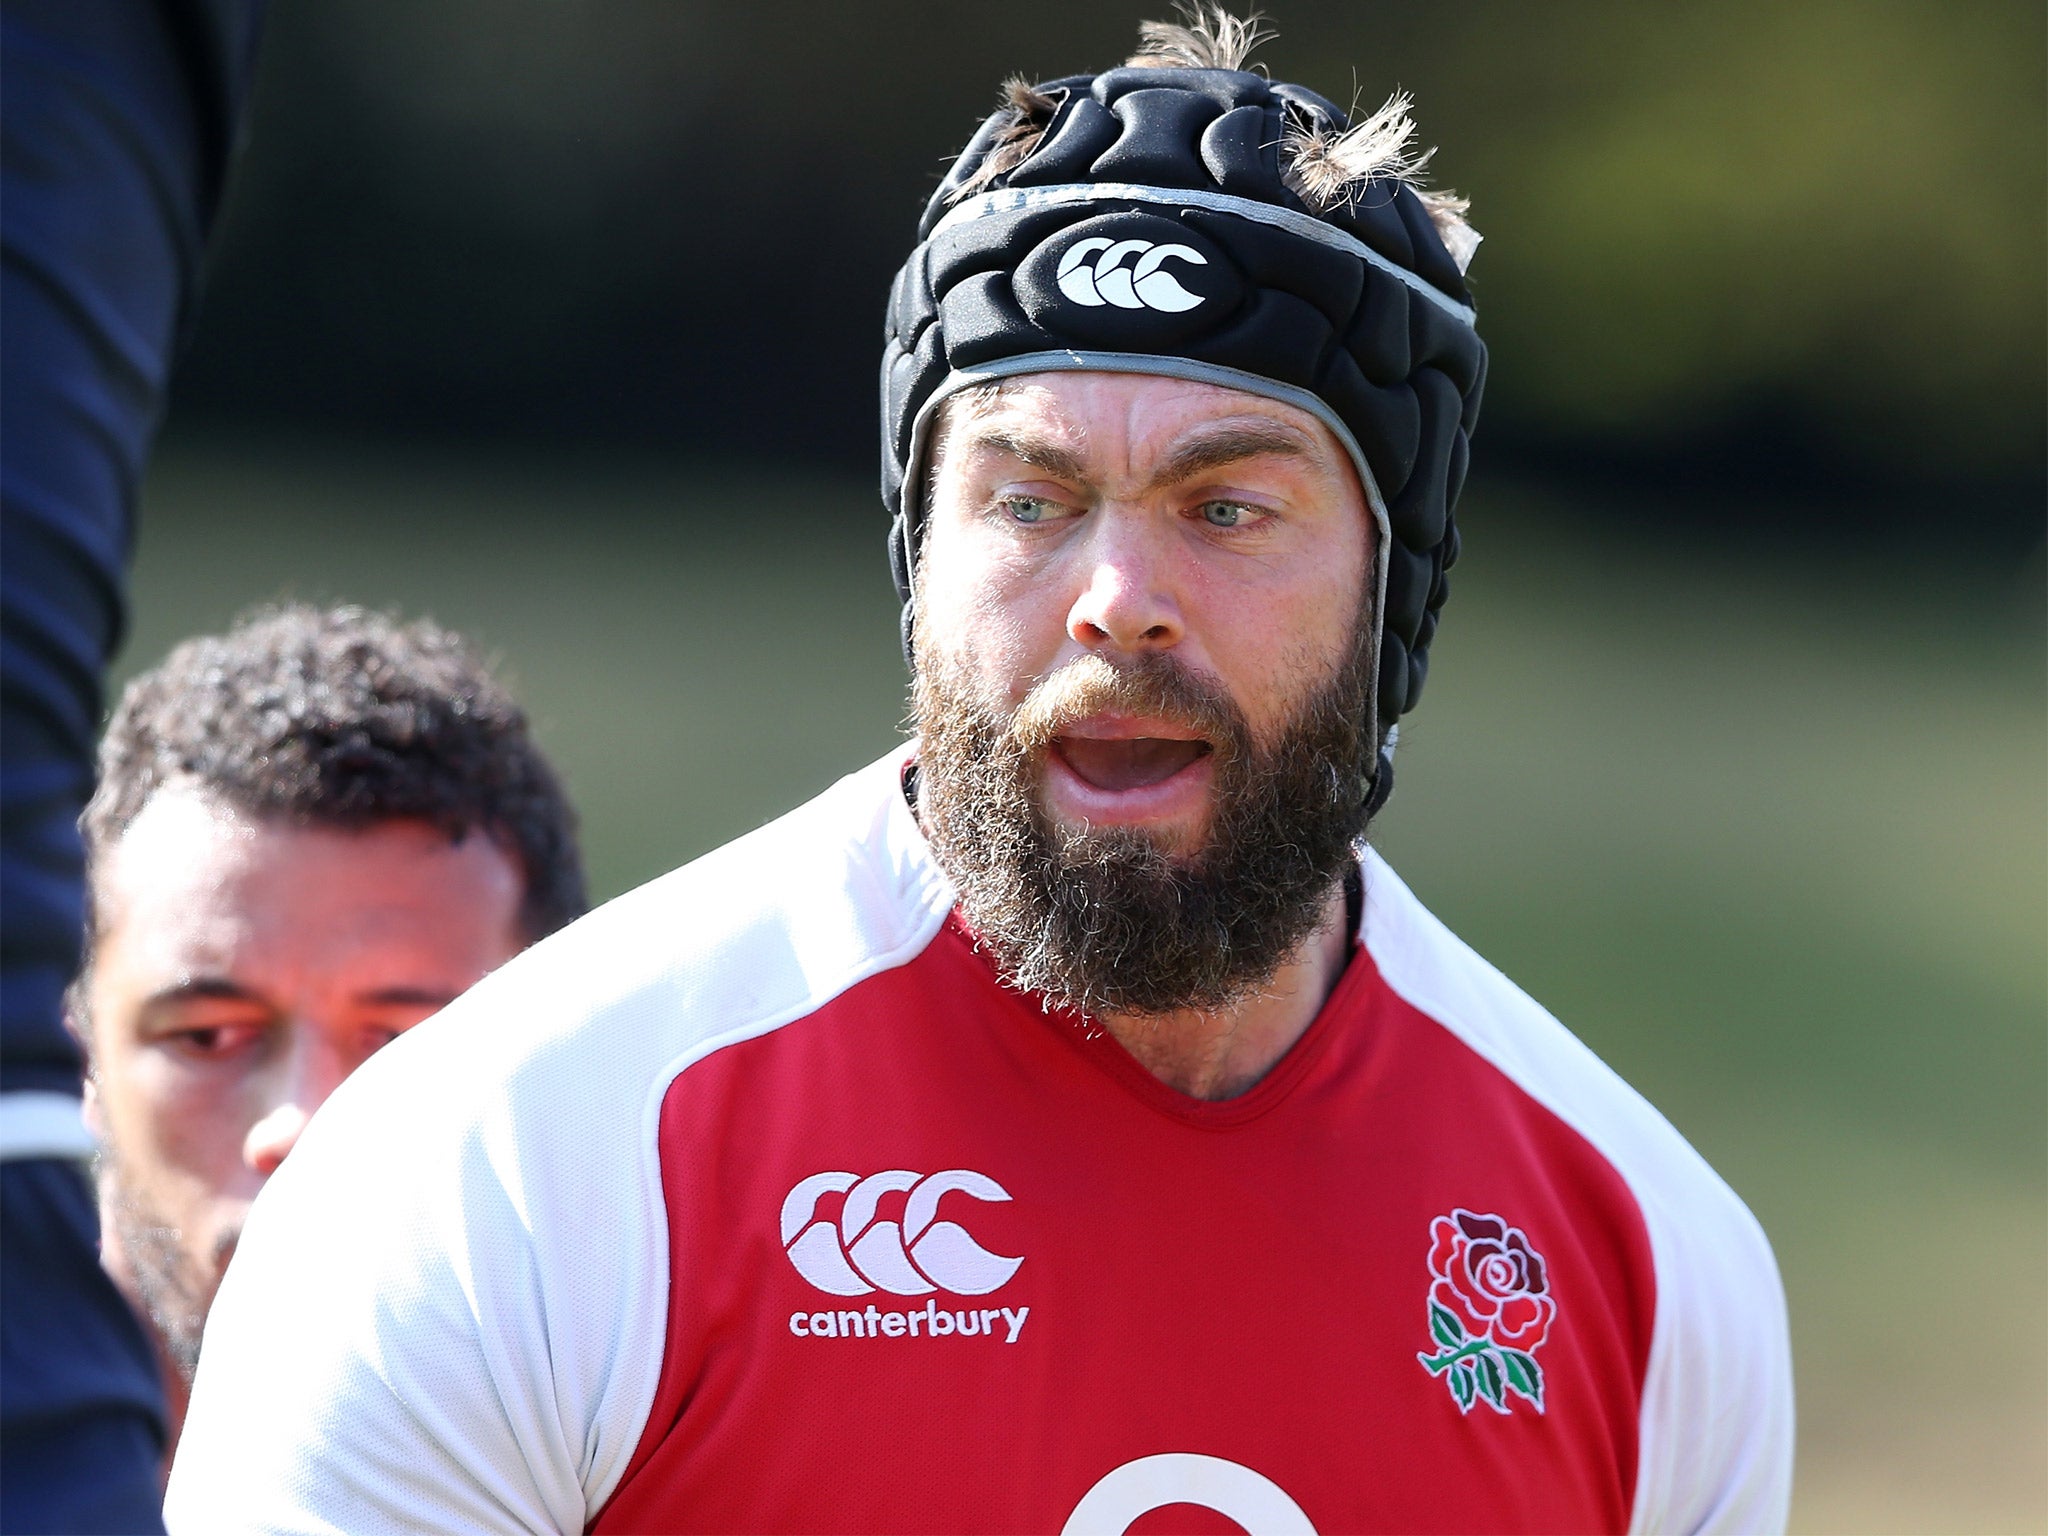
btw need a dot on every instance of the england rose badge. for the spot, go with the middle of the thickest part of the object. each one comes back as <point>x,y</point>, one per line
<point>1489,1311</point>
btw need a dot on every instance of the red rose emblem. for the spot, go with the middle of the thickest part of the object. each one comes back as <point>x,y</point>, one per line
<point>1488,1276</point>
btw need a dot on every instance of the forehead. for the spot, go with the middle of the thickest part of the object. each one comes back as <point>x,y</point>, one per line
<point>182,837</point>
<point>192,879</point>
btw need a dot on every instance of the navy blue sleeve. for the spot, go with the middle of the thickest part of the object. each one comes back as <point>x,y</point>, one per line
<point>82,1429</point>
<point>117,118</point>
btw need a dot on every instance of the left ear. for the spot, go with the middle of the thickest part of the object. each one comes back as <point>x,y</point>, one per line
<point>93,1110</point>
<point>75,1026</point>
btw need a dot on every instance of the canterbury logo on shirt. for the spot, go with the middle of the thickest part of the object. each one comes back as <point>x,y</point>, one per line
<point>860,1254</point>
<point>1144,284</point>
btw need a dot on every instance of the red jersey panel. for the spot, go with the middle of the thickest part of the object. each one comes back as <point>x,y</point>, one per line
<point>947,1261</point>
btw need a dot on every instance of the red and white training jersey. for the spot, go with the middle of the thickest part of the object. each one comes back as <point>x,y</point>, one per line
<point>754,1202</point>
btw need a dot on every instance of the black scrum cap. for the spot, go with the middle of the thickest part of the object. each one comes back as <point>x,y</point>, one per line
<point>1150,230</point>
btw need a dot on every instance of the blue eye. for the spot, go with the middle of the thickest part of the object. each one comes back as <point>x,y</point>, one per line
<point>1027,509</point>
<point>1224,514</point>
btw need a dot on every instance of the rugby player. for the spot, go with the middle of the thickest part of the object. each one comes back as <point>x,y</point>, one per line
<point>309,834</point>
<point>1066,1123</point>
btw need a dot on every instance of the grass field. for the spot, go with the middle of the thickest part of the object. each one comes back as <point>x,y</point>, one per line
<point>1772,840</point>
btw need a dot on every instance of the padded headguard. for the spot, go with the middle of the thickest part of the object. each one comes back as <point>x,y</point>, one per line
<point>1150,230</point>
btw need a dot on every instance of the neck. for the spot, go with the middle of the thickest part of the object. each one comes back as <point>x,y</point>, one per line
<point>1223,1054</point>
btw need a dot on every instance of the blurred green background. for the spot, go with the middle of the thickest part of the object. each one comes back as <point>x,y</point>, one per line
<point>558,321</point>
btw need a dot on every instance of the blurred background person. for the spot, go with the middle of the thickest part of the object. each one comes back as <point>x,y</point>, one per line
<point>309,834</point>
<point>119,119</point>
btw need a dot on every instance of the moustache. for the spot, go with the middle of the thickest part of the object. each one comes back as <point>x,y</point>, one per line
<point>1156,685</point>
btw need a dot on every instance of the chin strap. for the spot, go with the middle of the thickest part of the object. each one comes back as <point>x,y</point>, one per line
<point>1381,785</point>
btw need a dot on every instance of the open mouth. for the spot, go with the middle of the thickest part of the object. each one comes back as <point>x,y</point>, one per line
<point>1131,762</point>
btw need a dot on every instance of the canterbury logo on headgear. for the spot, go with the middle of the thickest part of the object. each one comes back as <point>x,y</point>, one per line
<point>921,1255</point>
<point>1145,284</point>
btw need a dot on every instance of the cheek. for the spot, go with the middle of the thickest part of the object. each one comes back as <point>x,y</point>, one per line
<point>994,618</point>
<point>1273,650</point>
<point>120,1105</point>
<point>171,1124</point>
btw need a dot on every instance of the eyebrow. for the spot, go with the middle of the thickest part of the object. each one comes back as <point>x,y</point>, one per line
<point>1215,448</point>
<point>1232,444</point>
<point>1055,458</point>
<point>406,997</point>
<point>200,989</point>
<point>220,988</point>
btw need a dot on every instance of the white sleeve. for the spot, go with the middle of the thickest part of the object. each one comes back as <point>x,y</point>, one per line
<point>1715,1447</point>
<point>425,1327</point>
<point>1717,1419</point>
<point>360,1373</point>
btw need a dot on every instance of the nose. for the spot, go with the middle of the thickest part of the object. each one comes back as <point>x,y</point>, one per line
<point>272,1137</point>
<point>1128,601</point>
<point>308,1072</point>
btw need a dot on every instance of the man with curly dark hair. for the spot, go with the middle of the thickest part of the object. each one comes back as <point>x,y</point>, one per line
<point>309,834</point>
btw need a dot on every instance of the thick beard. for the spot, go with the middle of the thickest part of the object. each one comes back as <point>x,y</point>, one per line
<point>175,1293</point>
<point>1109,921</point>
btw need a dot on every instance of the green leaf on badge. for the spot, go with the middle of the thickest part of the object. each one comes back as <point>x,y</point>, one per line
<point>1490,1385</point>
<point>1524,1374</point>
<point>1461,1383</point>
<point>1444,1324</point>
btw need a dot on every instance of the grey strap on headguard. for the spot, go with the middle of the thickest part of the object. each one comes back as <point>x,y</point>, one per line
<point>1150,230</point>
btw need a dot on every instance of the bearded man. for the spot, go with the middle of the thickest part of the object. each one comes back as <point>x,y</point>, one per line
<point>1065,1123</point>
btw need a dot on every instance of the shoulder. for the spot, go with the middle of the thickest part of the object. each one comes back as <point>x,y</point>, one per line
<point>1437,973</point>
<point>750,936</point>
<point>776,921</point>
<point>1717,1413</point>
<point>579,1036</point>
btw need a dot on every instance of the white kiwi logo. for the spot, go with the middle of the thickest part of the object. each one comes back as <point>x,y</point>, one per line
<point>1143,284</point>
